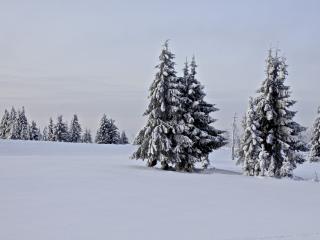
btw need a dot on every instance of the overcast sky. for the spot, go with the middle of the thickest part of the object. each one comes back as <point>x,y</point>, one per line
<point>93,57</point>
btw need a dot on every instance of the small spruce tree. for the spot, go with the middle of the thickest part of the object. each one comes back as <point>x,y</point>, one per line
<point>315,140</point>
<point>240,153</point>
<point>5,125</point>
<point>108,132</point>
<point>75,130</point>
<point>86,138</point>
<point>51,131</point>
<point>251,144</point>
<point>61,130</point>
<point>14,133</point>
<point>123,138</point>
<point>101,136</point>
<point>45,134</point>
<point>22,125</point>
<point>34,132</point>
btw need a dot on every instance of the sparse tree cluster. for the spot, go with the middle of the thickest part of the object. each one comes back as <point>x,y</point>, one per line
<point>179,132</point>
<point>14,125</point>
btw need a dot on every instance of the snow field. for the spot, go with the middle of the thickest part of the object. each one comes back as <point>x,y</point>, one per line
<point>52,191</point>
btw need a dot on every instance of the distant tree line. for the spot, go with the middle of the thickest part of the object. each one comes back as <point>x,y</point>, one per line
<point>15,125</point>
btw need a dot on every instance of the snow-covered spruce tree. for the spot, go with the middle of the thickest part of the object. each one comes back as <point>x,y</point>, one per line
<point>280,133</point>
<point>251,147</point>
<point>75,130</point>
<point>86,138</point>
<point>45,134</point>
<point>14,133</point>
<point>112,132</point>
<point>240,153</point>
<point>51,131</point>
<point>315,140</point>
<point>108,132</point>
<point>101,132</point>
<point>5,125</point>
<point>123,138</point>
<point>34,131</point>
<point>200,131</point>
<point>61,130</point>
<point>23,127</point>
<point>181,142</point>
<point>155,140</point>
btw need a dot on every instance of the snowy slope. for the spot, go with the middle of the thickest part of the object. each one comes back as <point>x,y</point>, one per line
<point>57,191</point>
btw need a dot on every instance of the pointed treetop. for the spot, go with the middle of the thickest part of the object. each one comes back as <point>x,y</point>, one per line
<point>166,44</point>
<point>193,61</point>
<point>186,63</point>
<point>193,65</point>
<point>270,52</point>
<point>277,51</point>
<point>186,68</point>
<point>319,110</point>
<point>250,101</point>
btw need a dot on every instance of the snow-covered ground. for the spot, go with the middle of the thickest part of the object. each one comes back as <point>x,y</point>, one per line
<point>57,191</point>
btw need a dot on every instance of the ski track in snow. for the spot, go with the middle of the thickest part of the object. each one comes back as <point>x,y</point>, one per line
<point>51,191</point>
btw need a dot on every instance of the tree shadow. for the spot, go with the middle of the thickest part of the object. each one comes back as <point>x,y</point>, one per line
<point>195,171</point>
<point>217,171</point>
<point>208,171</point>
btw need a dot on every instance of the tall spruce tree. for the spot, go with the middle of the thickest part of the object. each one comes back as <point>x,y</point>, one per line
<point>280,133</point>
<point>51,131</point>
<point>108,132</point>
<point>182,141</point>
<point>86,138</point>
<point>123,138</point>
<point>5,125</point>
<point>75,130</point>
<point>155,140</point>
<point>61,130</point>
<point>200,128</point>
<point>315,140</point>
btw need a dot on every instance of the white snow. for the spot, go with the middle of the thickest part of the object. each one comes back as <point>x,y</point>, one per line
<point>57,191</point>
